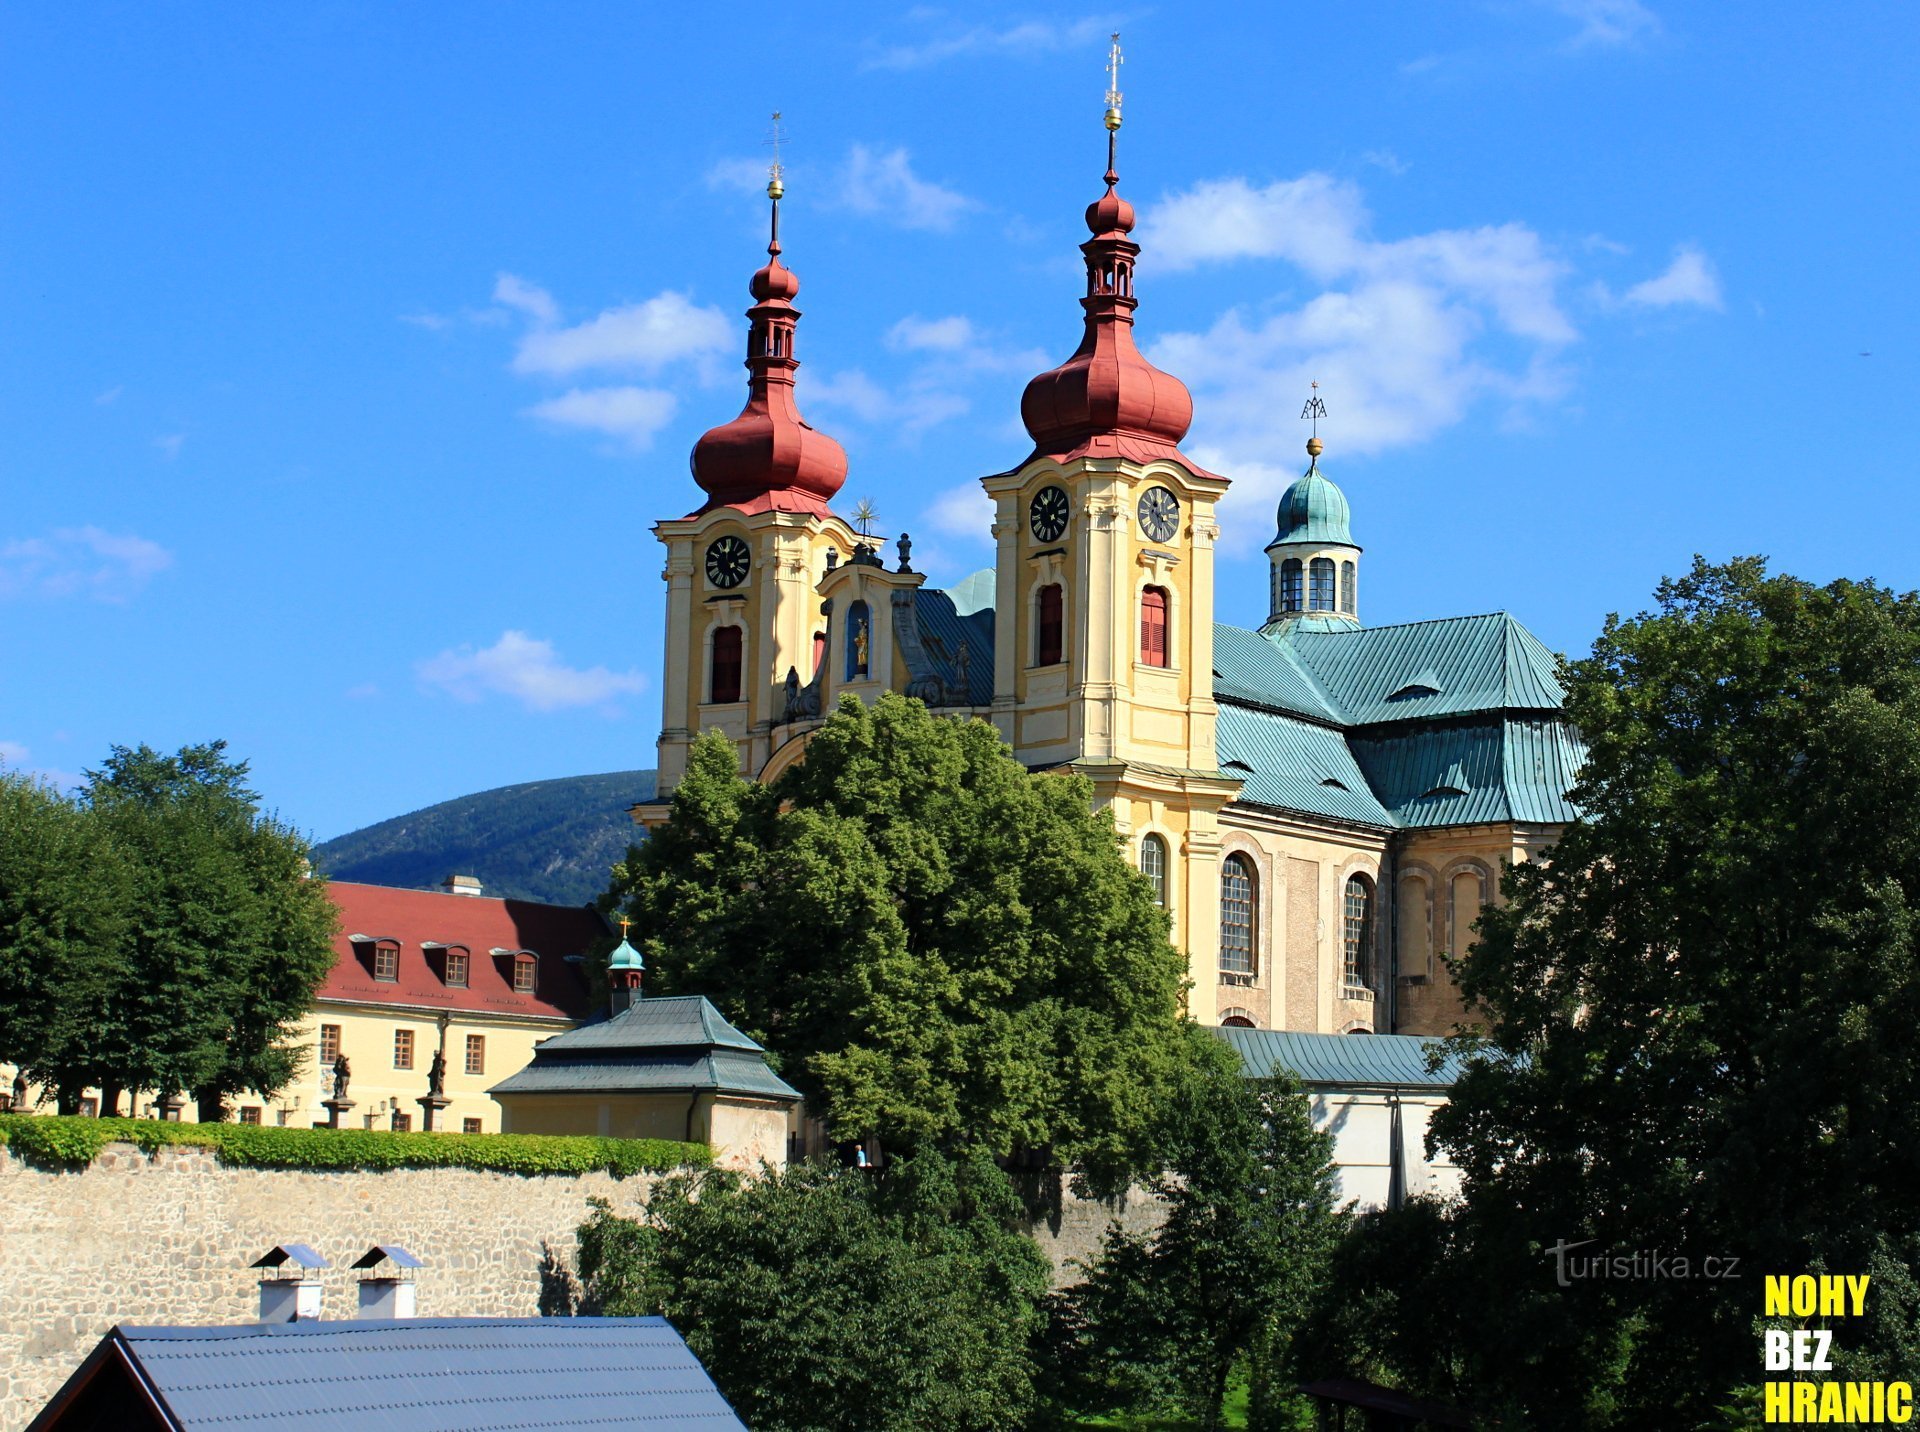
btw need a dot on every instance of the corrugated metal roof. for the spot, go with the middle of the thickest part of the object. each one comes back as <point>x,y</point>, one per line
<point>432,1375</point>
<point>1294,765</point>
<point>1337,1060</point>
<point>679,1021</point>
<point>1248,667</point>
<point>677,1071</point>
<point>943,630</point>
<point>1382,674</point>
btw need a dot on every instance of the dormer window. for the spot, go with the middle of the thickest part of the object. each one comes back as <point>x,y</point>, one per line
<point>456,967</point>
<point>524,974</point>
<point>386,961</point>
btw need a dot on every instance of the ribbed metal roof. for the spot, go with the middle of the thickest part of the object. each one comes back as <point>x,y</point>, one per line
<point>677,1022</point>
<point>1292,764</point>
<point>652,1046</point>
<point>431,1375</point>
<point>1451,667</point>
<point>1249,667</point>
<point>942,631</point>
<point>1499,770</point>
<point>1312,510</point>
<point>1341,1060</point>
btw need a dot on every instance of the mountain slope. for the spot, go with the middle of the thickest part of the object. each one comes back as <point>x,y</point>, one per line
<point>553,840</point>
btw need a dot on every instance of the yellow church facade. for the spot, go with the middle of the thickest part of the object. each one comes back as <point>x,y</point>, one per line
<point>1323,808</point>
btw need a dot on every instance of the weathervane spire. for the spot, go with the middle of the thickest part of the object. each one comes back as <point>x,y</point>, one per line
<point>1114,60</point>
<point>776,185</point>
<point>1314,411</point>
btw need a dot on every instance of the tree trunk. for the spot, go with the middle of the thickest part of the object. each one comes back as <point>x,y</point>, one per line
<point>211,1106</point>
<point>109,1101</point>
<point>66,1100</point>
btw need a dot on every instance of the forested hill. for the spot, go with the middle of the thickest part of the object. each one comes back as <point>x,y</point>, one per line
<point>545,840</point>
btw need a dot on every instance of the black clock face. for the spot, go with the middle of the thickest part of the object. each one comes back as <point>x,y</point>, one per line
<point>1159,513</point>
<point>727,562</point>
<point>1048,515</point>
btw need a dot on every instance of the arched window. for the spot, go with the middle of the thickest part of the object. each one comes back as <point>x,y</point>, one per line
<point>1320,584</point>
<point>1359,933</point>
<point>1049,625</point>
<point>726,664</point>
<point>1237,909</point>
<point>1153,865</point>
<point>1238,1019</point>
<point>859,639</point>
<point>1153,626</point>
<point>1290,593</point>
<point>1346,588</point>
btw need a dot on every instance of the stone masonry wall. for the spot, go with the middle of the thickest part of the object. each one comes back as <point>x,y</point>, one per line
<point>167,1239</point>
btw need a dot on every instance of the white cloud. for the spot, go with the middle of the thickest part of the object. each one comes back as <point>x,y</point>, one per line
<point>881,184</point>
<point>170,445</point>
<point>529,298</point>
<point>1026,40</point>
<point>81,561</point>
<point>939,335</point>
<point>1606,24</point>
<point>12,753</point>
<point>634,415</point>
<point>1386,159</point>
<point>667,328</point>
<point>739,176</point>
<point>16,757</point>
<point>110,396</point>
<point>529,671</point>
<point>963,511</point>
<point>1690,281</point>
<point>907,411</point>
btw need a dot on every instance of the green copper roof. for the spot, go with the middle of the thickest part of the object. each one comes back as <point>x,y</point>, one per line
<point>625,957</point>
<point>1291,764</point>
<point>1313,510</point>
<point>1487,771</point>
<point>1342,1060</point>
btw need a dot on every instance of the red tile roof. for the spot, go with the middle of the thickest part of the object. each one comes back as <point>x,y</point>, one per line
<point>420,918</point>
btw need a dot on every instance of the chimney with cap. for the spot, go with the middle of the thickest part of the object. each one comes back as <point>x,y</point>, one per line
<point>461,885</point>
<point>290,1286</point>
<point>386,1281</point>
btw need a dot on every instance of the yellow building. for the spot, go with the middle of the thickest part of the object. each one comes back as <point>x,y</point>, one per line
<point>1322,807</point>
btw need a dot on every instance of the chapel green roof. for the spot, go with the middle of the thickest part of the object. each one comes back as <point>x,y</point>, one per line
<point>1313,510</point>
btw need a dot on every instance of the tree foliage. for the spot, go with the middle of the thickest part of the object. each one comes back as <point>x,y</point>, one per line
<point>1702,1016</point>
<point>1162,1318</point>
<point>838,1300</point>
<point>158,933</point>
<point>938,946</point>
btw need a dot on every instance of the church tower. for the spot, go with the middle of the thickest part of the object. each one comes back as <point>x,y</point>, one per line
<point>1315,582</point>
<point>745,634</point>
<point>1105,572</point>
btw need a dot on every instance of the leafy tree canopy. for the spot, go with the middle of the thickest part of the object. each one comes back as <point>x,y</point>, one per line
<point>1702,1016</point>
<point>838,1300</point>
<point>938,946</point>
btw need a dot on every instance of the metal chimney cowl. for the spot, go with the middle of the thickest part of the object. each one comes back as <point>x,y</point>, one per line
<point>290,1290</point>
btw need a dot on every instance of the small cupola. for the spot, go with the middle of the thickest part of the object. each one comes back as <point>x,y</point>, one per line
<point>625,970</point>
<point>1316,562</point>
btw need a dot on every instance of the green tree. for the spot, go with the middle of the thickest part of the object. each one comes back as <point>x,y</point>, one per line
<point>1702,1015</point>
<point>1228,1276</point>
<point>226,937</point>
<point>838,1300</point>
<point>940,947</point>
<point>63,906</point>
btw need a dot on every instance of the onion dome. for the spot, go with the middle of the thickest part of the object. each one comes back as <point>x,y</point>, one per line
<point>770,459</point>
<point>1313,509</point>
<point>1107,399</point>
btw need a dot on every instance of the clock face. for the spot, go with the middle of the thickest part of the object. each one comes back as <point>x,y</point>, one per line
<point>1159,513</point>
<point>727,562</point>
<point>1048,515</point>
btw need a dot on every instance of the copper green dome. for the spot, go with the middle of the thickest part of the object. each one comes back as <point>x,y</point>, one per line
<point>1313,510</point>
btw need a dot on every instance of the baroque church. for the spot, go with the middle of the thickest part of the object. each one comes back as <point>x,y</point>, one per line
<point>1322,807</point>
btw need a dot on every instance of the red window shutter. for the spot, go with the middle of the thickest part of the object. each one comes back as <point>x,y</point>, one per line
<point>1153,626</point>
<point>1050,626</point>
<point>726,664</point>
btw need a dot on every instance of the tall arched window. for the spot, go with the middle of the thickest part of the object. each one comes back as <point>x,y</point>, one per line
<point>1320,584</point>
<point>859,639</point>
<point>1153,627</point>
<point>1049,625</point>
<point>1237,910</point>
<point>1347,584</point>
<point>1153,865</point>
<point>1290,592</point>
<point>1359,933</point>
<point>726,664</point>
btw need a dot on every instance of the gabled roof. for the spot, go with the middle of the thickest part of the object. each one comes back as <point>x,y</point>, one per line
<point>680,1043</point>
<point>1292,764</point>
<point>943,629</point>
<point>1341,1060</point>
<point>1251,668</point>
<point>423,1374</point>
<point>478,924</point>
<point>1486,771</point>
<point>1471,664</point>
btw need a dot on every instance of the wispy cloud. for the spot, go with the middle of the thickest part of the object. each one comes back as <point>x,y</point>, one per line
<point>14,756</point>
<point>529,671</point>
<point>1690,281</point>
<point>80,562</point>
<point>907,411</point>
<point>110,396</point>
<point>528,298</point>
<point>964,511</point>
<point>1606,24</point>
<point>645,336</point>
<point>738,176</point>
<point>1386,159</point>
<point>881,184</point>
<point>170,445</point>
<point>1029,39</point>
<point>633,415</point>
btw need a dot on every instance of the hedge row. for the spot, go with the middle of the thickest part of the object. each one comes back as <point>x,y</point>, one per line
<point>65,1142</point>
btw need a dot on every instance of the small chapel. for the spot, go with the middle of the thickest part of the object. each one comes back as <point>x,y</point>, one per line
<point>1321,806</point>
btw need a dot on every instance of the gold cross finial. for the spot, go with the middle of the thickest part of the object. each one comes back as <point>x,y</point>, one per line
<point>776,183</point>
<point>1114,60</point>
<point>625,924</point>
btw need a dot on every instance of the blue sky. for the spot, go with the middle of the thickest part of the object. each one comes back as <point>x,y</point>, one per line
<point>350,350</point>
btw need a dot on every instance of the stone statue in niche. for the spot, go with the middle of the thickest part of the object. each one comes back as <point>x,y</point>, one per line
<point>437,1075</point>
